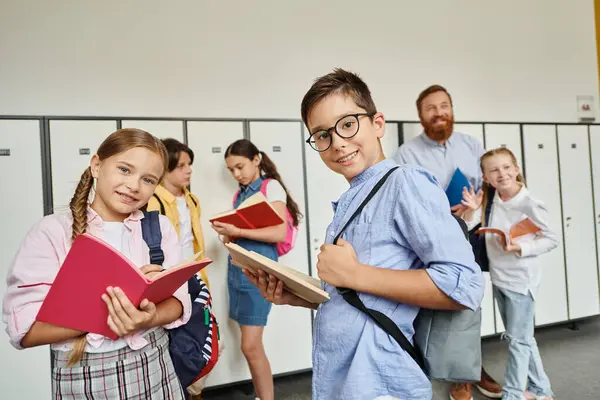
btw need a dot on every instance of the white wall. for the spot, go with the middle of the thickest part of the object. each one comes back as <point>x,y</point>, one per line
<point>512,60</point>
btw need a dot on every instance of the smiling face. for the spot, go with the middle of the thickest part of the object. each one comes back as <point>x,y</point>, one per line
<point>500,171</point>
<point>348,157</point>
<point>437,116</point>
<point>125,182</point>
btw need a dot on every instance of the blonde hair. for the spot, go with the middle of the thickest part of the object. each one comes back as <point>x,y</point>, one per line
<point>118,142</point>
<point>486,187</point>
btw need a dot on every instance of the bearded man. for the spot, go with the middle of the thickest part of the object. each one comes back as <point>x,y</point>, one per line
<point>441,151</point>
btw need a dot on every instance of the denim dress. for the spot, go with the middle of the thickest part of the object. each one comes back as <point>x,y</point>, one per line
<point>246,305</point>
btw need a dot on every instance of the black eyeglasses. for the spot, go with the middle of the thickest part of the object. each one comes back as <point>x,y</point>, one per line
<point>346,127</point>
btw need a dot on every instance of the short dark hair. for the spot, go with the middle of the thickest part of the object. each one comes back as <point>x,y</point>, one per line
<point>430,90</point>
<point>338,81</point>
<point>174,149</point>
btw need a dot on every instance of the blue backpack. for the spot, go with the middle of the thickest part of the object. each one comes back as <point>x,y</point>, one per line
<point>194,347</point>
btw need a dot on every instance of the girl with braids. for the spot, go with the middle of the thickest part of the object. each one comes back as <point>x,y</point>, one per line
<point>514,268</point>
<point>122,175</point>
<point>250,167</point>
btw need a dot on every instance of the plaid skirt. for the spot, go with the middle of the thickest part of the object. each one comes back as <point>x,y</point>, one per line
<point>142,374</point>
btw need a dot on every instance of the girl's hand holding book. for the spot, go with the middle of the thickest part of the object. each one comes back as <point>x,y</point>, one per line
<point>123,317</point>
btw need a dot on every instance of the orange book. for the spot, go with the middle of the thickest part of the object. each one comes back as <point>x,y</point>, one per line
<point>253,213</point>
<point>74,299</point>
<point>521,228</point>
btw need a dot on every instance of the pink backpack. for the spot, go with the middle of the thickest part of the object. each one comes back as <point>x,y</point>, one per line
<point>292,230</point>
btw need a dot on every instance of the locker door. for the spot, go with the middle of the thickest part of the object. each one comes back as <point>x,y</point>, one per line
<point>475,130</point>
<point>389,142</point>
<point>580,243</point>
<point>282,142</point>
<point>160,129</point>
<point>487,308</point>
<point>27,374</point>
<point>541,169</point>
<point>509,136</point>
<point>72,145</point>
<point>411,130</point>
<point>323,187</point>
<point>214,186</point>
<point>595,152</point>
<point>504,135</point>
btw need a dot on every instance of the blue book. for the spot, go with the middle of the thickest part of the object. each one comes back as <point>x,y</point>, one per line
<point>455,187</point>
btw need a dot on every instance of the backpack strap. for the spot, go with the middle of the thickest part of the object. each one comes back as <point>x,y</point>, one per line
<point>153,236</point>
<point>160,203</point>
<point>352,298</point>
<point>263,186</point>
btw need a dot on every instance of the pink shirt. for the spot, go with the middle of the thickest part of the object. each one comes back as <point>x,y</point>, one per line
<point>42,253</point>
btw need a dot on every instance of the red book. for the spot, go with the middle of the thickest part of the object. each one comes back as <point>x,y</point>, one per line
<point>253,213</point>
<point>524,227</point>
<point>74,299</point>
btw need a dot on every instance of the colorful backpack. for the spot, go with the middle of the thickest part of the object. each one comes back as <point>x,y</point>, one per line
<point>194,346</point>
<point>292,230</point>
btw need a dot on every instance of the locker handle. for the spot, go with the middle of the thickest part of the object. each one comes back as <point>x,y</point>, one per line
<point>568,218</point>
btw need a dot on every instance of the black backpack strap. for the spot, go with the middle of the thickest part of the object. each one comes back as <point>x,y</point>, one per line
<point>160,203</point>
<point>354,300</point>
<point>153,236</point>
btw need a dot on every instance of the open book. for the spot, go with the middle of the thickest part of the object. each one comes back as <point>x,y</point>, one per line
<point>521,228</point>
<point>74,299</point>
<point>302,285</point>
<point>253,213</point>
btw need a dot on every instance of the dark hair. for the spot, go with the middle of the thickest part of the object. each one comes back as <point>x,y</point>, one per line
<point>174,150</point>
<point>430,90</point>
<point>246,148</point>
<point>338,81</point>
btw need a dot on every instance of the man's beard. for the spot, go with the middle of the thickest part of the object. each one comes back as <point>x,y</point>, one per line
<point>439,133</point>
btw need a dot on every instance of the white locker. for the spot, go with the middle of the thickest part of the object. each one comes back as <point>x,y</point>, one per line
<point>475,130</point>
<point>323,187</point>
<point>487,308</point>
<point>389,142</point>
<point>282,142</point>
<point>215,187</point>
<point>72,145</point>
<point>541,170</point>
<point>504,135</point>
<point>158,128</point>
<point>578,221</point>
<point>27,374</point>
<point>411,130</point>
<point>595,152</point>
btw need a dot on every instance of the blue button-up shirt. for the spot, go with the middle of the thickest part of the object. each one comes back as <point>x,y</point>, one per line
<point>460,151</point>
<point>407,225</point>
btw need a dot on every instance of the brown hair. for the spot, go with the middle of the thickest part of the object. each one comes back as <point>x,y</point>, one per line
<point>246,148</point>
<point>486,187</point>
<point>338,81</point>
<point>430,90</point>
<point>118,142</point>
<point>174,150</point>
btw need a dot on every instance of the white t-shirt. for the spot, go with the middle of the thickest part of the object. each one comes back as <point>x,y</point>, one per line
<point>275,192</point>
<point>186,237</point>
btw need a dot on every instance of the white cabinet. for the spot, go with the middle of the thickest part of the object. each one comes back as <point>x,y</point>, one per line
<point>507,136</point>
<point>282,142</point>
<point>595,153</point>
<point>475,130</point>
<point>578,221</point>
<point>26,373</point>
<point>215,187</point>
<point>72,145</point>
<point>389,142</point>
<point>541,170</point>
<point>411,130</point>
<point>158,128</point>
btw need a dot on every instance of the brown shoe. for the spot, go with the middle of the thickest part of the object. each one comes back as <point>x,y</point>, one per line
<point>461,391</point>
<point>488,386</point>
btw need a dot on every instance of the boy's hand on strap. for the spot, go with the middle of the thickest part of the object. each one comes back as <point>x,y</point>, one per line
<point>338,265</point>
<point>123,317</point>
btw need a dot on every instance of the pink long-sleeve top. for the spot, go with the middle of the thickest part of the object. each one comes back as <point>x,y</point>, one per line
<point>42,253</point>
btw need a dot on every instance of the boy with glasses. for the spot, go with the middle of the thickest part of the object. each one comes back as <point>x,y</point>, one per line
<point>404,251</point>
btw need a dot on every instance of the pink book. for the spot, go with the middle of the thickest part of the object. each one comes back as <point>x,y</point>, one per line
<point>74,300</point>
